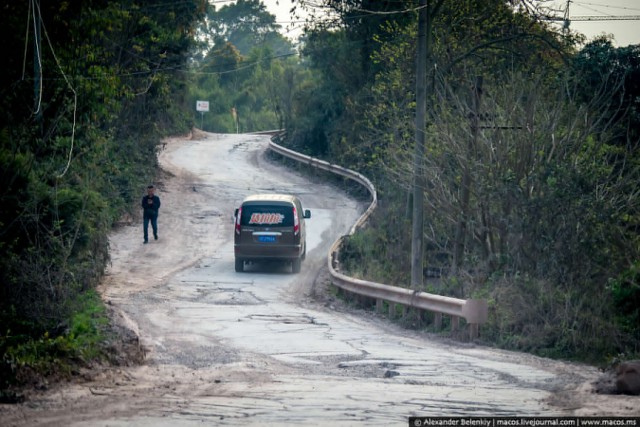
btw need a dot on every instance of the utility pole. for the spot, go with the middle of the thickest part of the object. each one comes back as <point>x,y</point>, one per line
<point>428,9</point>
<point>417,228</point>
<point>565,25</point>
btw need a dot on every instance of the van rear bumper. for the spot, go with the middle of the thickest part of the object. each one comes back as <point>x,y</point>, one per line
<point>253,252</point>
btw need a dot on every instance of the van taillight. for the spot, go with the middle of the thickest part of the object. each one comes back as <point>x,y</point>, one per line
<point>238,216</point>
<point>296,222</point>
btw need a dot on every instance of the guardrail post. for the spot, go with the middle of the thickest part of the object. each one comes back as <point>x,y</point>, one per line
<point>422,317</point>
<point>392,310</point>
<point>473,331</point>
<point>455,323</point>
<point>379,305</point>
<point>437,321</point>
<point>475,312</point>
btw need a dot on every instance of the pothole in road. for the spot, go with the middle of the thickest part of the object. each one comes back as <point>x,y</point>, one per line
<point>241,146</point>
<point>212,294</point>
<point>226,296</point>
<point>208,214</point>
<point>292,319</point>
<point>196,357</point>
<point>344,365</point>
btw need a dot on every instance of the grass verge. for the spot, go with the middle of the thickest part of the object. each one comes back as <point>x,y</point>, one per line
<point>55,354</point>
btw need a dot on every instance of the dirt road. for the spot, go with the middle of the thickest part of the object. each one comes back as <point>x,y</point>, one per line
<point>227,348</point>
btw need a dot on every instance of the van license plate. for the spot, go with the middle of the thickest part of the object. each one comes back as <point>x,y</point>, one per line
<point>267,239</point>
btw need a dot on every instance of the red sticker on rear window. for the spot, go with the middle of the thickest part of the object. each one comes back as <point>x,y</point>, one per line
<point>266,218</point>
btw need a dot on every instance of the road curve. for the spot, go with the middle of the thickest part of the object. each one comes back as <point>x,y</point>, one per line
<point>227,348</point>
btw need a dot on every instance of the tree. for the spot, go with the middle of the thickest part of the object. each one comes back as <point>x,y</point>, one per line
<point>533,168</point>
<point>619,69</point>
<point>106,86</point>
<point>246,24</point>
<point>528,168</point>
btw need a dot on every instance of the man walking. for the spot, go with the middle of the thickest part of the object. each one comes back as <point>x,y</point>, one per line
<point>150,206</point>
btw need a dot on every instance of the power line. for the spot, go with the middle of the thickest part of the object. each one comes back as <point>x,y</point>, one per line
<point>610,6</point>
<point>595,18</point>
<point>567,18</point>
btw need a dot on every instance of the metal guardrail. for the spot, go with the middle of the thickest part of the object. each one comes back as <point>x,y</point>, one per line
<point>474,311</point>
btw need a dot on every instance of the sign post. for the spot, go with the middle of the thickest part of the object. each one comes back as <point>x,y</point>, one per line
<point>234,114</point>
<point>202,107</point>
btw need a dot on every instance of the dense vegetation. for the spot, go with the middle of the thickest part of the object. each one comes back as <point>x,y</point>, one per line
<point>530,167</point>
<point>245,70</point>
<point>88,89</point>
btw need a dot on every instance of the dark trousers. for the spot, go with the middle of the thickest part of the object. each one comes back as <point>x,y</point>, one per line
<point>154,226</point>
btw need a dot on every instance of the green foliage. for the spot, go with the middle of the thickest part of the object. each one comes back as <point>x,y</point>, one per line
<point>625,293</point>
<point>544,318</point>
<point>246,24</point>
<point>108,86</point>
<point>259,88</point>
<point>378,252</point>
<point>613,75</point>
<point>240,70</point>
<point>28,359</point>
<point>320,106</point>
<point>533,207</point>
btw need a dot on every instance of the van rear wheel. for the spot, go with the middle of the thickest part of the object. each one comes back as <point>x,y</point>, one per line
<point>295,265</point>
<point>239,265</point>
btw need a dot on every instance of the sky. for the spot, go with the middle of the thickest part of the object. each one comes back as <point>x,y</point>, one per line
<point>625,32</point>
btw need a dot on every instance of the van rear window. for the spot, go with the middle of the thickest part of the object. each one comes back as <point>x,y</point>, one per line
<point>266,215</point>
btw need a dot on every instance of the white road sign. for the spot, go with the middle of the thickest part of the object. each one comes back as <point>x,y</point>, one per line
<point>202,105</point>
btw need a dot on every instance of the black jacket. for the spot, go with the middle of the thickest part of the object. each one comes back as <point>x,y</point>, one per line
<point>150,205</point>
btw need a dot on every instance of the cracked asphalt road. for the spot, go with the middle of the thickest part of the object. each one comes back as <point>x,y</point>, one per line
<point>227,348</point>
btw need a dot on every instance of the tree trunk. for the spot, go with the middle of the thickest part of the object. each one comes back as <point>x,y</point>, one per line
<point>461,232</point>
